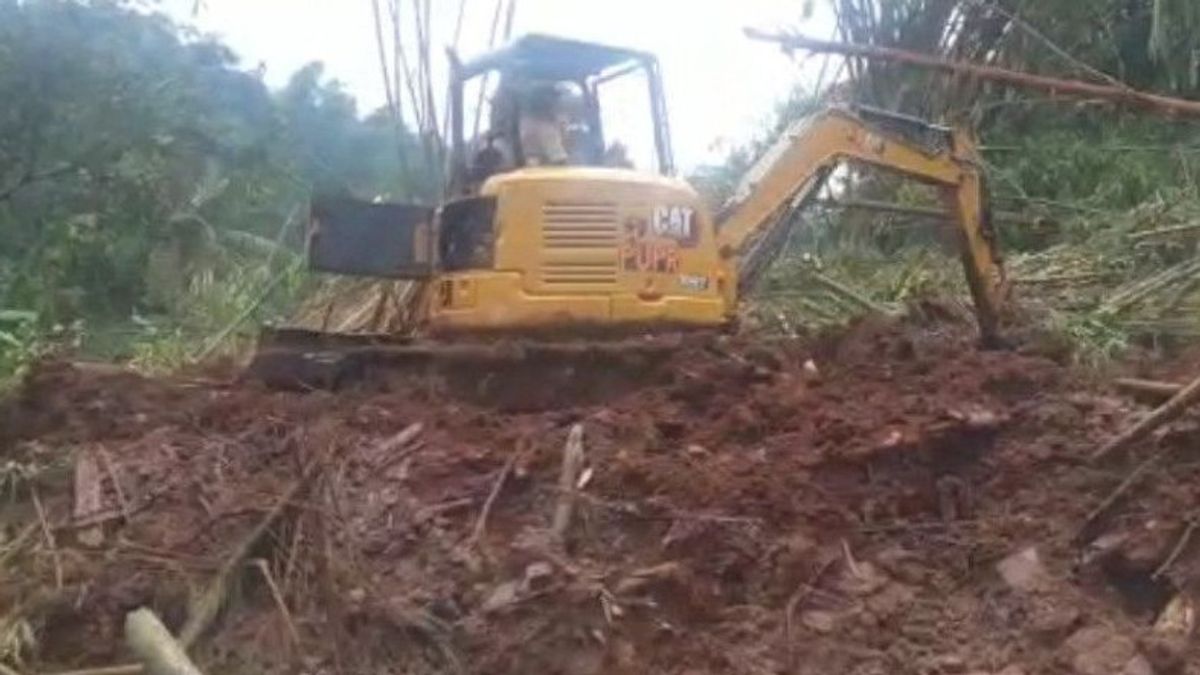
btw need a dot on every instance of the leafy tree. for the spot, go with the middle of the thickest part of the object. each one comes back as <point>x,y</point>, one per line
<point>138,161</point>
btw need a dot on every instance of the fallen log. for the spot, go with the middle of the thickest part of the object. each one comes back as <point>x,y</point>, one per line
<point>1116,93</point>
<point>1165,413</point>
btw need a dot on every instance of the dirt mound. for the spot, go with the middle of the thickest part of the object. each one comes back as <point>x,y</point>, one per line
<point>886,500</point>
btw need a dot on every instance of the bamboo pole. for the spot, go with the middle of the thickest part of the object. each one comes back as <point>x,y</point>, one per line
<point>905,210</point>
<point>1162,415</point>
<point>1164,105</point>
<point>154,646</point>
<point>1149,388</point>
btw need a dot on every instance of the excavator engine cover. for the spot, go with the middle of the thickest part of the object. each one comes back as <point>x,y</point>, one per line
<point>358,238</point>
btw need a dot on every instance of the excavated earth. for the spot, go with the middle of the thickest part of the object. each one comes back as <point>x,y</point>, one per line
<point>888,499</point>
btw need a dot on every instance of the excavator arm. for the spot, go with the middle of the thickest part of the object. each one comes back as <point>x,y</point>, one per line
<point>754,225</point>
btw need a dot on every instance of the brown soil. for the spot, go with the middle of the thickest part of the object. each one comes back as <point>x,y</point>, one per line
<point>742,513</point>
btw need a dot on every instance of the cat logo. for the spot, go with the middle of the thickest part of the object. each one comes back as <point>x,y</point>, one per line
<point>675,222</point>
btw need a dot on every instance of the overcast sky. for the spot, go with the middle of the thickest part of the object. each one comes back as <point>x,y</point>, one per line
<point>720,86</point>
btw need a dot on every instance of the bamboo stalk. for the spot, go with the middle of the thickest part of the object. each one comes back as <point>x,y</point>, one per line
<point>1152,388</point>
<point>154,646</point>
<point>1164,105</point>
<point>1162,415</point>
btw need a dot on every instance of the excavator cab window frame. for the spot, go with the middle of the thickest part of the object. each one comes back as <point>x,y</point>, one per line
<point>551,59</point>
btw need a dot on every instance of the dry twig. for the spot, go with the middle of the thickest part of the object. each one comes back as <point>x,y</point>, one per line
<point>801,594</point>
<point>1180,547</point>
<point>293,634</point>
<point>1115,496</point>
<point>481,523</point>
<point>49,535</point>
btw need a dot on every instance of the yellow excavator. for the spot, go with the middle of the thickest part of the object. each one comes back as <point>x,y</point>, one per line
<point>561,236</point>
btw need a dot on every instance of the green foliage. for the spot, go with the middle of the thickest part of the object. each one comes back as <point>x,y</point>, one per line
<point>19,342</point>
<point>139,164</point>
<point>1104,248</point>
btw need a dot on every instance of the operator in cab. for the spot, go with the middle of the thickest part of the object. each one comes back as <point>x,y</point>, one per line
<point>543,126</point>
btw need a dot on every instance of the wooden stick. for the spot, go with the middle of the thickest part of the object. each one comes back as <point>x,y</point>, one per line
<point>293,634</point>
<point>1180,545</point>
<point>481,523</point>
<point>1078,89</point>
<point>571,464</point>
<point>49,535</point>
<point>154,646</point>
<point>1115,496</point>
<point>401,440</point>
<point>106,460</point>
<point>126,669</point>
<point>1164,414</point>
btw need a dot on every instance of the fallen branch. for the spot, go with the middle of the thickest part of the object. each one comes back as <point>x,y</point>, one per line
<point>571,464</point>
<point>1164,414</point>
<point>154,646</point>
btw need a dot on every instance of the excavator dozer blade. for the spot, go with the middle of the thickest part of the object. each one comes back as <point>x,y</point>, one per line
<point>368,239</point>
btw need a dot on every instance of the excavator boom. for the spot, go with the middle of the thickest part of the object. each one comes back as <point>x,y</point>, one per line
<point>754,224</point>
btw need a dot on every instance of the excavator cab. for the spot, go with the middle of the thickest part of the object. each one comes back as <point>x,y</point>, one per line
<point>543,98</point>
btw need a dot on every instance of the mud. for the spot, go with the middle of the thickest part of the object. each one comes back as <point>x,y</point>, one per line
<point>847,504</point>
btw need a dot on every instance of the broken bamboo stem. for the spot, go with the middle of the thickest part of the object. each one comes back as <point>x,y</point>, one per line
<point>1078,89</point>
<point>1151,388</point>
<point>154,645</point>
<point>1165,413</point>
<point>571,464</point>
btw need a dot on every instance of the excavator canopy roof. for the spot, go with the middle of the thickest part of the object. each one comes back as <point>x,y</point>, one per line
<point>548,57</point>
